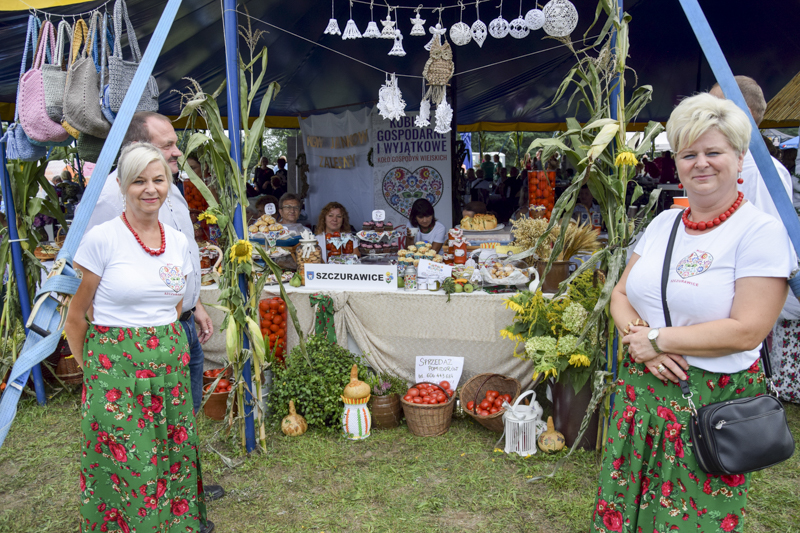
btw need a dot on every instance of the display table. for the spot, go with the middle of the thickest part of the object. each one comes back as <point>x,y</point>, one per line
<point>392,328</point>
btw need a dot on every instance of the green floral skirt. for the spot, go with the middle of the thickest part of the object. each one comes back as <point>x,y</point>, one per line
<point>650,480</point>
<point>140,466</point>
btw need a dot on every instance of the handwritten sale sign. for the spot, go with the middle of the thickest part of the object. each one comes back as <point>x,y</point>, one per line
<point>436,368</point>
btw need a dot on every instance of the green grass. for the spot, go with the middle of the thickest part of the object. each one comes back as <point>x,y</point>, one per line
<point>391,482</point>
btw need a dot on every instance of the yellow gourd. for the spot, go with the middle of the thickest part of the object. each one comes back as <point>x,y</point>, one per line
<point>355,389</point>
<point>551,440</point>
<point>293,424</point>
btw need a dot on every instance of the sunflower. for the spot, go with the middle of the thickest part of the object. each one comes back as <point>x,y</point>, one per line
<point>579,360</point>
<point>626,157</point>
<point>241,251</point>
<point>208,217</point>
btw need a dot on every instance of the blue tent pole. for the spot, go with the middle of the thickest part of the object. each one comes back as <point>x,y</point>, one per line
<point>229,22</point>
<point>19,269</point>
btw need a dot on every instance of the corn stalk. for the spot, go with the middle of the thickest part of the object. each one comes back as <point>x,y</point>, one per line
<point>214,149</point>
<point>593,147</point>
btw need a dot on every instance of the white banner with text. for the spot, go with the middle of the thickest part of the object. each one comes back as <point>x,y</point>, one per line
<point>411,163</point>
<point>358,277</point>
<point>336,148</point>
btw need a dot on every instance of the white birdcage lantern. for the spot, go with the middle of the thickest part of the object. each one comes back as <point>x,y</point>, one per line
<point>523,423</point>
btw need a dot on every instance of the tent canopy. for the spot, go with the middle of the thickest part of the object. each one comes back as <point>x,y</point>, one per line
<point>505,85</point>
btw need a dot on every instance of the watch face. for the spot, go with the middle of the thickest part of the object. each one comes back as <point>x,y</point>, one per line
<point>653,334</point>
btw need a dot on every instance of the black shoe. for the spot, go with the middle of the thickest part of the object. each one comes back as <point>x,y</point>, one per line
<point>208,528</point>
<point>213,492</point>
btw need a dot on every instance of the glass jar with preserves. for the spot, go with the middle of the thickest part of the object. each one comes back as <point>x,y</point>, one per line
<point>307,251</point>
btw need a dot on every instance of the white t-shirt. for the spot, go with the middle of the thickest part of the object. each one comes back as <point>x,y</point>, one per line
<point>437,234</point>
<point>109,206</point>
<point>703,271</point>
<point>755,190</point>
<point>136,288</point>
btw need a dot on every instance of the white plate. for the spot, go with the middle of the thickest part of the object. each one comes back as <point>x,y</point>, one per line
<point>498,228</point>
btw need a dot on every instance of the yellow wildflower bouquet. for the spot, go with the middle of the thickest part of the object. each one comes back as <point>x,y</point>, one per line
<point>556,334</point>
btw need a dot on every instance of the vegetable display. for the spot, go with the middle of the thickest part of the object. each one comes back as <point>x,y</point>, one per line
<point>273,325</point>
<point>427,393</point>
<point>490,404</point>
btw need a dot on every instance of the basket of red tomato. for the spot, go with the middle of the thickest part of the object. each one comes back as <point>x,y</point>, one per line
<point>483,395</point>
<point>429,408</point>
<point>216,403</point>
<point>273,325</point>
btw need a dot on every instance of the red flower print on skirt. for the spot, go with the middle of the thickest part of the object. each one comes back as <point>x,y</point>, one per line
<point>179,506</point>
<point>729,522</point>
<point>152,342</point>
<point>613,520</point>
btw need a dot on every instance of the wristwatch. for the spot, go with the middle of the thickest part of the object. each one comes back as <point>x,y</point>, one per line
<point>653,336</point>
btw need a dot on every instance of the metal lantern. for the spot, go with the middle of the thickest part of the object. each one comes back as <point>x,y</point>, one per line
<point>522,425</point>
<point>561,17</point>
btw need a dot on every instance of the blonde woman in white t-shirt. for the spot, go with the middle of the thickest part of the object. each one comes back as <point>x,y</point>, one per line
<point>727,282</point>
<point>137,418</point>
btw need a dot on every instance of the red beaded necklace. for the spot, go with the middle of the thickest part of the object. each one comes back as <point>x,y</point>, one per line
<point>150,251</point>
<point>702,226</point>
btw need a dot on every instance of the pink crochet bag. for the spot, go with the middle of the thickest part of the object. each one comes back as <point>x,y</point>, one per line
<point>32,109</point>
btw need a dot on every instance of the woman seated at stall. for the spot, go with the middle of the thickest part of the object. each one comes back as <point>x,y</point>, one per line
<point>430,231</point>
<point>333,220</point>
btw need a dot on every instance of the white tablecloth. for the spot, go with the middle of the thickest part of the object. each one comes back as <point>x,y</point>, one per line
<point>392,328</point>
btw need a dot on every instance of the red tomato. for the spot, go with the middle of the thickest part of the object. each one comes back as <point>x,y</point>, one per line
<point>491,395</point>
<point>277,319</point>
<point>483,413</point>
<point>417,399</point>
<point>424,392</point>
<point>444,384</point>
<point>223,383</point>
<point>408,398</point>
<point>432,400</point>
<point>282,308</point>
<point>449,392</point>
<point>413,392</point>
<point>422,386</point>
<point>441,398</point>
<point>470,405</point>
<point>486,405</point>
<point>493,410</point>
<point>498,402</point>
<point>507,397</point>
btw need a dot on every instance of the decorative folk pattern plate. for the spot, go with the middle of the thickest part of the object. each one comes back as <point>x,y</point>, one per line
<point>402,187</point>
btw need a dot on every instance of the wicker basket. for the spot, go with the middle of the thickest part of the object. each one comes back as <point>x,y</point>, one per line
<point>475,389</point>
<point>68,370</point>
<point>429,420</point>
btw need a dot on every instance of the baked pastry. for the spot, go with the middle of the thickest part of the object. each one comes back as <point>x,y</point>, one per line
<point>388,226</point>
<point>275,227</point>
<point>368,226</point>
<point>479,222</point>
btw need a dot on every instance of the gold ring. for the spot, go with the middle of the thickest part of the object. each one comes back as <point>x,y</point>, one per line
<point>661,368</point>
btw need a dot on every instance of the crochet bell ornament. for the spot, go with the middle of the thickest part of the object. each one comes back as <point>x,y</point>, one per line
<point>372,30</point>
<point>397,49</point>
<point>418,26</point>
<point>333,25</point>
<point>350,29</point>
<point>391,105</point>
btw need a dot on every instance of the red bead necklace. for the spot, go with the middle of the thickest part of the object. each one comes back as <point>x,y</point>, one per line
<point>702,226</point>
<point>150,251</point>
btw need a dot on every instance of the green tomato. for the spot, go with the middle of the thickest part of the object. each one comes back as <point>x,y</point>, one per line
<point>468,288</point>
<point>459,288</point>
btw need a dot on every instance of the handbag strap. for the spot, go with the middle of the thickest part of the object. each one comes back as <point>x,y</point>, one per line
<point>93,43</point>
<point>79,34</point>
<point>121,12</point>
<point>64,35</point>
<point>30,42</point>
<point>103,53</point>
<point>47,42</point>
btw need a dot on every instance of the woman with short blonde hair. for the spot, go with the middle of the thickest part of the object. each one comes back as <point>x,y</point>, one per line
<point>725,286</point>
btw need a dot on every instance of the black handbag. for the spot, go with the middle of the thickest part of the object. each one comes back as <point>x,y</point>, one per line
<point>736,436</point>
